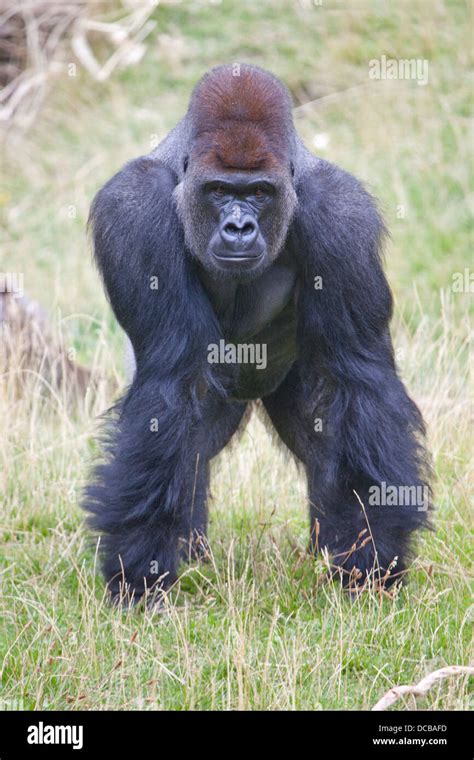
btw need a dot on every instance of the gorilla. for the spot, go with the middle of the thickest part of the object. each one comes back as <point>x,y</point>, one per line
<point>227,242</point>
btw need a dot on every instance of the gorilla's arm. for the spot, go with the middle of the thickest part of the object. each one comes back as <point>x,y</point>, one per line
<point>141,495</point>
<point>137,237</point>
<point>372,431</point>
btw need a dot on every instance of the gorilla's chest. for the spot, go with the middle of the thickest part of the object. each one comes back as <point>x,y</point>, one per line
<point>258,321</point>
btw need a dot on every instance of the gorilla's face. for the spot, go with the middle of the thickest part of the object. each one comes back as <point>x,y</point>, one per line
<point>236,222</point>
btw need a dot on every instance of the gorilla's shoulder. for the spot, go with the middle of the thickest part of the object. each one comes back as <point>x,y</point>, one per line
<point>139,179</point>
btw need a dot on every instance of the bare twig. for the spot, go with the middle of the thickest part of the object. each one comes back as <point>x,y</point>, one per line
<point>420,689</point>
<point>127,35</point>
<point>36,37</point>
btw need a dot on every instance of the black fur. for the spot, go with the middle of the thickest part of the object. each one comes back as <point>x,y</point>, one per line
<point>330,357</point>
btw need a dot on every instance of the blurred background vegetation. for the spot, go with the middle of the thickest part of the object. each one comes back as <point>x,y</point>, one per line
<point>409,143</point>
<point>263,630</point>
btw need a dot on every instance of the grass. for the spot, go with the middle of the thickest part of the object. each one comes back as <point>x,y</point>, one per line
<point>258,627</point>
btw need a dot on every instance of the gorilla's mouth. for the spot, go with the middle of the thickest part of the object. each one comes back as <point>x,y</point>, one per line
<point>238,257</point>
<point>230,256</point>
<point>237,263</point>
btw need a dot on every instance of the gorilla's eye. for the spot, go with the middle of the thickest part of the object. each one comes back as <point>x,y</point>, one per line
<point>259,193</point>
<point>219,191</point>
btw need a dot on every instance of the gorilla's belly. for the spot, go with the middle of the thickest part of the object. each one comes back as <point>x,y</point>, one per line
<point>274,354</point>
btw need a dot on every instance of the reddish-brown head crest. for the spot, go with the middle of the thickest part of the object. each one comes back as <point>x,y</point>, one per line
<point>241,119</point>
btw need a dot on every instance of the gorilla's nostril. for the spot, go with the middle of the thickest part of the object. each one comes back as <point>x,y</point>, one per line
<point>231,229</point>
<point>234,229</point>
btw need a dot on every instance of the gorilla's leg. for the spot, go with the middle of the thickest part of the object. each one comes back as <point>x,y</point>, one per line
<point>221,422</point>
<point>361,536</point>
